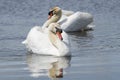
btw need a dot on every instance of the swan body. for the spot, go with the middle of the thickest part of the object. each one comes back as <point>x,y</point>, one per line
<point>46,42</point>
<point>77,21</point>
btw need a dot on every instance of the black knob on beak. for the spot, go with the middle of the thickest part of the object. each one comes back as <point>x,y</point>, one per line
<point>50,12</point>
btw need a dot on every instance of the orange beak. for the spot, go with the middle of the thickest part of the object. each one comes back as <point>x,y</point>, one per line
<point>50,16</point>
<point>59,35</point>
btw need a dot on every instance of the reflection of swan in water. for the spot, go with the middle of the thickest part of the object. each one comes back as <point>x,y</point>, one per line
<point>81,34</point>
<point>47,65</point>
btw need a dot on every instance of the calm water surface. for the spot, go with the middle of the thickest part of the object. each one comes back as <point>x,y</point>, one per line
<point>95,54</point>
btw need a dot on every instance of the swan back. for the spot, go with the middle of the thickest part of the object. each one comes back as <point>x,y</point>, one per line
<point>76,21</point>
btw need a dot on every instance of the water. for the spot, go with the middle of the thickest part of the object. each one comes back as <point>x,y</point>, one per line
<point>96,54</point>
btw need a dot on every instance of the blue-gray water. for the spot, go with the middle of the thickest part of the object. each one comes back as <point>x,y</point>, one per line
<point>96,54</point>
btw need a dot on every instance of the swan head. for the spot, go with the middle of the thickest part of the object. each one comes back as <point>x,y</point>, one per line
<point>54,15</point>
<point>56,29</point>
<point>54,11</point>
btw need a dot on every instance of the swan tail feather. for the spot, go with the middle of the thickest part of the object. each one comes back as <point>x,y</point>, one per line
<point>24,42</point>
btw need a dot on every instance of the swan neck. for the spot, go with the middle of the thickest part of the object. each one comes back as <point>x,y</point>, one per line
<point>60,45</point>
<point>54,39</point>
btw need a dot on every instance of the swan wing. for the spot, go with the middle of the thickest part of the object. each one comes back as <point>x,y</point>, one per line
<point>76,21</point>
<point>37,40</point>
<point>65,15</point>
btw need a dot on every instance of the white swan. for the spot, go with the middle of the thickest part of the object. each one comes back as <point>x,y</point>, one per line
<point>48,42</point>
<point>47,65</point>
<point>69,20</point>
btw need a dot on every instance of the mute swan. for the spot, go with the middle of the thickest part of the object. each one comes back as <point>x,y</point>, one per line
<point>69,20</point>
<point>52,41</point>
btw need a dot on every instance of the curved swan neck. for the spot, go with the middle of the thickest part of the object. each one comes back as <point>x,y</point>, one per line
<point>60,45</point>
<point>53,38</point>
<point>53,19</point>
